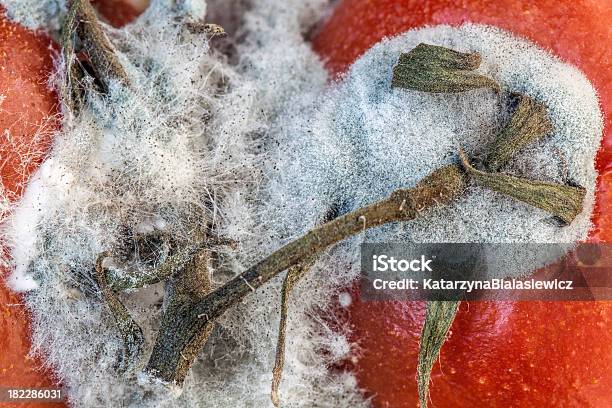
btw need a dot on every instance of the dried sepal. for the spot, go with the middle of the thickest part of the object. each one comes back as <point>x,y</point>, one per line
<point>294,274</point>
<point>439,317</point>
<point>131,333</point>
<point>83,21</point>
<point>431,68</point>
<point>528,123</point>
<point>562,201</point>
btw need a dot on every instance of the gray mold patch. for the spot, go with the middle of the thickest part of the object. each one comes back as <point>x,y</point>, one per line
<point>363,140</point>
<point>36,14</point>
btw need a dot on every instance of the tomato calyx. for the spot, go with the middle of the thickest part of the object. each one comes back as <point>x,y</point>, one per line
<point>438,69</point>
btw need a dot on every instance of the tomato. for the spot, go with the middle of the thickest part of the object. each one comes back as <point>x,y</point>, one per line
<point>26,104</point>
<point>120,12</point>
<point>498,354</point>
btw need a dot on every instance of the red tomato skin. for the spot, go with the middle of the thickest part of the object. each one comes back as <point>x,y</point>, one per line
<point>498,354</point>
<point>120,12</point>
<point>28,103</point>
<point>29,114</point>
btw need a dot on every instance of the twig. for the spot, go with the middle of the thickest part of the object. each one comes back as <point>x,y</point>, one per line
<point>133,337</point>
<point>185,291</point>
<point>294,274</point>
<point>440,187</point>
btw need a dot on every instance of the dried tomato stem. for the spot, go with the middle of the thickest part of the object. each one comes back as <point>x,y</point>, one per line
<point>133,337</point>
<point>439,188</point>
<point>166,362</point>
<point>185,291</point>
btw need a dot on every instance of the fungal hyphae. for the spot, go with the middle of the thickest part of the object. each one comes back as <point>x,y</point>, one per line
<point>238,150</point>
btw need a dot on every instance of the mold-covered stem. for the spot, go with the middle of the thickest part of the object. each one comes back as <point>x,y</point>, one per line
<point>133,337</point>
<point>83,21</point>
<point>294,274</point>
<point>167,363</point>
<point>137,279</point>
<point>185,291</point>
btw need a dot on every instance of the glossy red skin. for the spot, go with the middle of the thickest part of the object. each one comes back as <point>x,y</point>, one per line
<point>25,64</point>
<point>120,12</point>
<point>503,354</point>
<point>498,354</point>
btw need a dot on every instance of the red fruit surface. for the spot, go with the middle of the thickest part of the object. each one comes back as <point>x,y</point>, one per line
<point>26,103</point>
<point>27,111</point>
<point>499,354</point>
<point>120,12</point>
